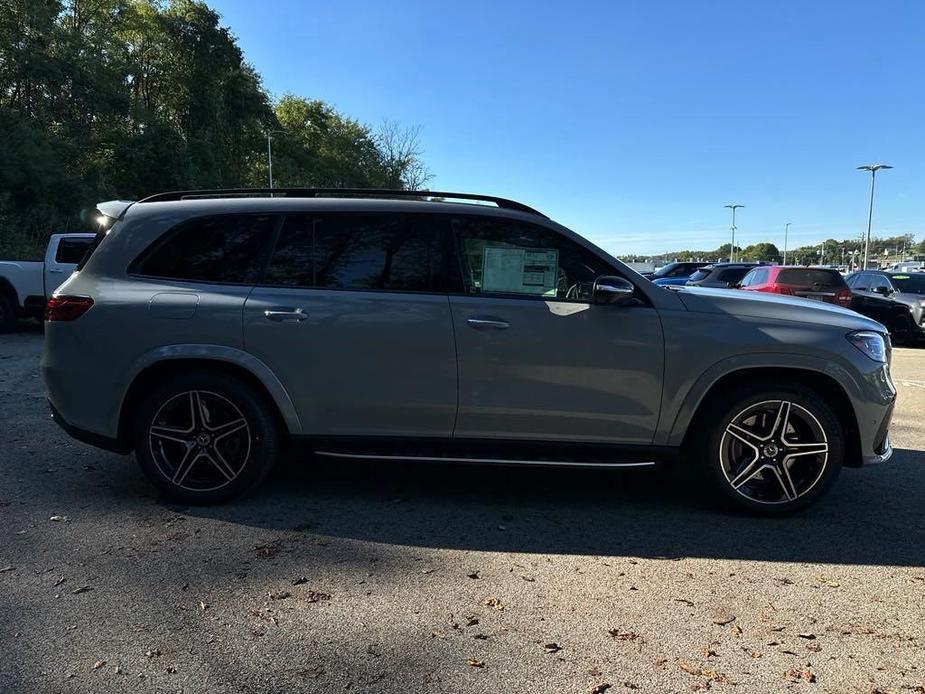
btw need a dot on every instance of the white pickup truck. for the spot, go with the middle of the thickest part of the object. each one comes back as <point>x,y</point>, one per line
<point>26,286</point>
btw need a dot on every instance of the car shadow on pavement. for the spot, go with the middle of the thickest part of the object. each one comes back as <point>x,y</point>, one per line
<point>871,516</point>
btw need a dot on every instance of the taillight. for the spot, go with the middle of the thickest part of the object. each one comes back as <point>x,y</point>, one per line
<point>843,297</point>
<point>65,308</point>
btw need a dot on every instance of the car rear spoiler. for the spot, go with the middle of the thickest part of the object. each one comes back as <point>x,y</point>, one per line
<point>114,208</point>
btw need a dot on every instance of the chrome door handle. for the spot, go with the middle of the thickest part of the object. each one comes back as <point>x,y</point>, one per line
<point>285,315</point>
<point>488,323</point>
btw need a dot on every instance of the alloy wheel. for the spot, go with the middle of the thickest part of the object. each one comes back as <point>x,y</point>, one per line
<point>773,452</point>
<point>199,440</point>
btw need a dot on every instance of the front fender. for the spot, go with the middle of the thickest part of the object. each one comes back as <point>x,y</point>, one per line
<point>676,427</point>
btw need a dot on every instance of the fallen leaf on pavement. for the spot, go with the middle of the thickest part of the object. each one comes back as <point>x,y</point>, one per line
<point>98,664</point>
<point>480,637</point>
<point>689,603</point>
<point>427,571</point>
<point>796,675</point>
<point>708,652</point>
<point>494,602</point>
<point>60,519</point>
<point>475,662</point>
<point>473,574</point>
<point>203,606</point>
<point>299,581</point>
<point>689,668</point>
<point>807,635</point>
<point>622,635</point>
<point>723,621</point>
<point>828,582</point>
<point>82,589</point>
<point>599,688</point>
<point>279,595</point>
<point>735,630</point>
<point>9,567</point>
<point>552,647</point>
<point>316,596</point>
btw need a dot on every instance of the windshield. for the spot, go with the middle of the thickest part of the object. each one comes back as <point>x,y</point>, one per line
<point>701,275</point>
<point>909,284</point>
<point>665,270</point>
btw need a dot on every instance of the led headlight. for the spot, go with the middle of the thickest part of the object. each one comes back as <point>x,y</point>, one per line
<point>869,342</point>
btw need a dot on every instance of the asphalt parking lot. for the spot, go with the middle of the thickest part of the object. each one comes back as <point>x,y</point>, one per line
<point>407,578</point>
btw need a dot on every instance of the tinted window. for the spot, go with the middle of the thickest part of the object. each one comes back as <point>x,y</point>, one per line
<point>851,280</point>
<point>72,250</point>
<point>347,251</point>
<point>878,281</point>
<point>809,277</point>
<point>732,275</point>
<point>910,284</point>
<point>700,275</point>
<point>502,256</point>
<point>230,249</point>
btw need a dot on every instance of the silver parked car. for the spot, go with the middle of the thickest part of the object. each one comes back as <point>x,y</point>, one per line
<point>207,329</point>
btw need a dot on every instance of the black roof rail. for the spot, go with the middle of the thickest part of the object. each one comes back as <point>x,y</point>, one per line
<point>503,203</point>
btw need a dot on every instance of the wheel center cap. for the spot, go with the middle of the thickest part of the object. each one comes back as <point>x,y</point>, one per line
<point>771,450</point>
<point>203,439</point>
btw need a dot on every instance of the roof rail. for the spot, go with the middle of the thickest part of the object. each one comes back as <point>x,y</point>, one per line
<point>503,203</point>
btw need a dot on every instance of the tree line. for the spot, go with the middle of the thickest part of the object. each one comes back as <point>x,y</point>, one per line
<point>830,251</point>
<point>105,99</point>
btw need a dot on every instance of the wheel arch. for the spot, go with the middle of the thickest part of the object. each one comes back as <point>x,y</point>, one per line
<point>824,384</point>
<point>178,359</point>
<point>7,289</point>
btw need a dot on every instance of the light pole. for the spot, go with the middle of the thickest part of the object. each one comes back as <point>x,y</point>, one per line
<point>732,247</point>
<point>786,230</point>
<point>873,168</point>
<point>270,153</point>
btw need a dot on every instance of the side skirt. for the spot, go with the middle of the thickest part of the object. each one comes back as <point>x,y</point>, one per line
<point>492,452</point>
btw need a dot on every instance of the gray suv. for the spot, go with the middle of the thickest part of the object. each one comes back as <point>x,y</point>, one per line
<point>207,330</point>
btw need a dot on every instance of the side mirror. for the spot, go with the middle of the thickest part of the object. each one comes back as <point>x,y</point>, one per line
<point>885,291</point>
<point>612,290</point>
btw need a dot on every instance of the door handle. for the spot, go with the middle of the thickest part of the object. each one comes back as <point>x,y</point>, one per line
<point>56,271</point>
<point>285,315</point>
<point>488,323</point>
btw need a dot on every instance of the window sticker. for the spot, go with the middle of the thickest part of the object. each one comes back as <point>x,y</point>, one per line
<point>520,270</point>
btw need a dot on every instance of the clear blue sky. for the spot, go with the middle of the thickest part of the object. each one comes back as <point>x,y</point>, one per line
<point>631,122</point>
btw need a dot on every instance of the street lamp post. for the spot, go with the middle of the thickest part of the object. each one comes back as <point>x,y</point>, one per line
<point>732,247</point>
<point>873,168</point>
<point>270,153</point>
<point>786,230</point>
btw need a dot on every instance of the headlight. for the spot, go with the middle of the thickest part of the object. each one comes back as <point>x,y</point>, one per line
<point>871,343</point>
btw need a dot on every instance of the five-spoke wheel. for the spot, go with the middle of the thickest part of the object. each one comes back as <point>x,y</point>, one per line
<point>205,438</point>
<point>776,449</point>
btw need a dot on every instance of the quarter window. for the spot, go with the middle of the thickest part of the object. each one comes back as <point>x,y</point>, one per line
<point>502,256</point>
<point>230,249</point>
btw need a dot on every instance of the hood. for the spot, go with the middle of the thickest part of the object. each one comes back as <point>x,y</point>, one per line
<point>773,307</point>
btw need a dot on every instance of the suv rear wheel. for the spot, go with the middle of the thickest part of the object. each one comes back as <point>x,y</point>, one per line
<point>776,450</point>
<point>205,438</point>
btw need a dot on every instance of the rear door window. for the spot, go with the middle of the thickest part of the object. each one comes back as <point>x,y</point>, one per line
<point>387,252</point>
<point>72,250</point>
<point>700,275</point>
<point>732,275</point>
<point>228,249</point>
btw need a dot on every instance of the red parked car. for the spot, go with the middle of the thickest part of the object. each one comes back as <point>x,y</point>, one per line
<point>817,283</point>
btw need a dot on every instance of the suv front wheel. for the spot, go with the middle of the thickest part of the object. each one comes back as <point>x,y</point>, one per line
<point>776,449</point>
<point>205,438</point>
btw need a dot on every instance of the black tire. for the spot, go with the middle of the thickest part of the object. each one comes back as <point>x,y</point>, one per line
<point>8,318</point>
<point>237,467</point>
<point>807,476</point>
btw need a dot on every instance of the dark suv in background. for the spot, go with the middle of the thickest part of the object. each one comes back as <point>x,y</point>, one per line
<point>720,275</point>
<point>896,299</point>
<point>208,329</point>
